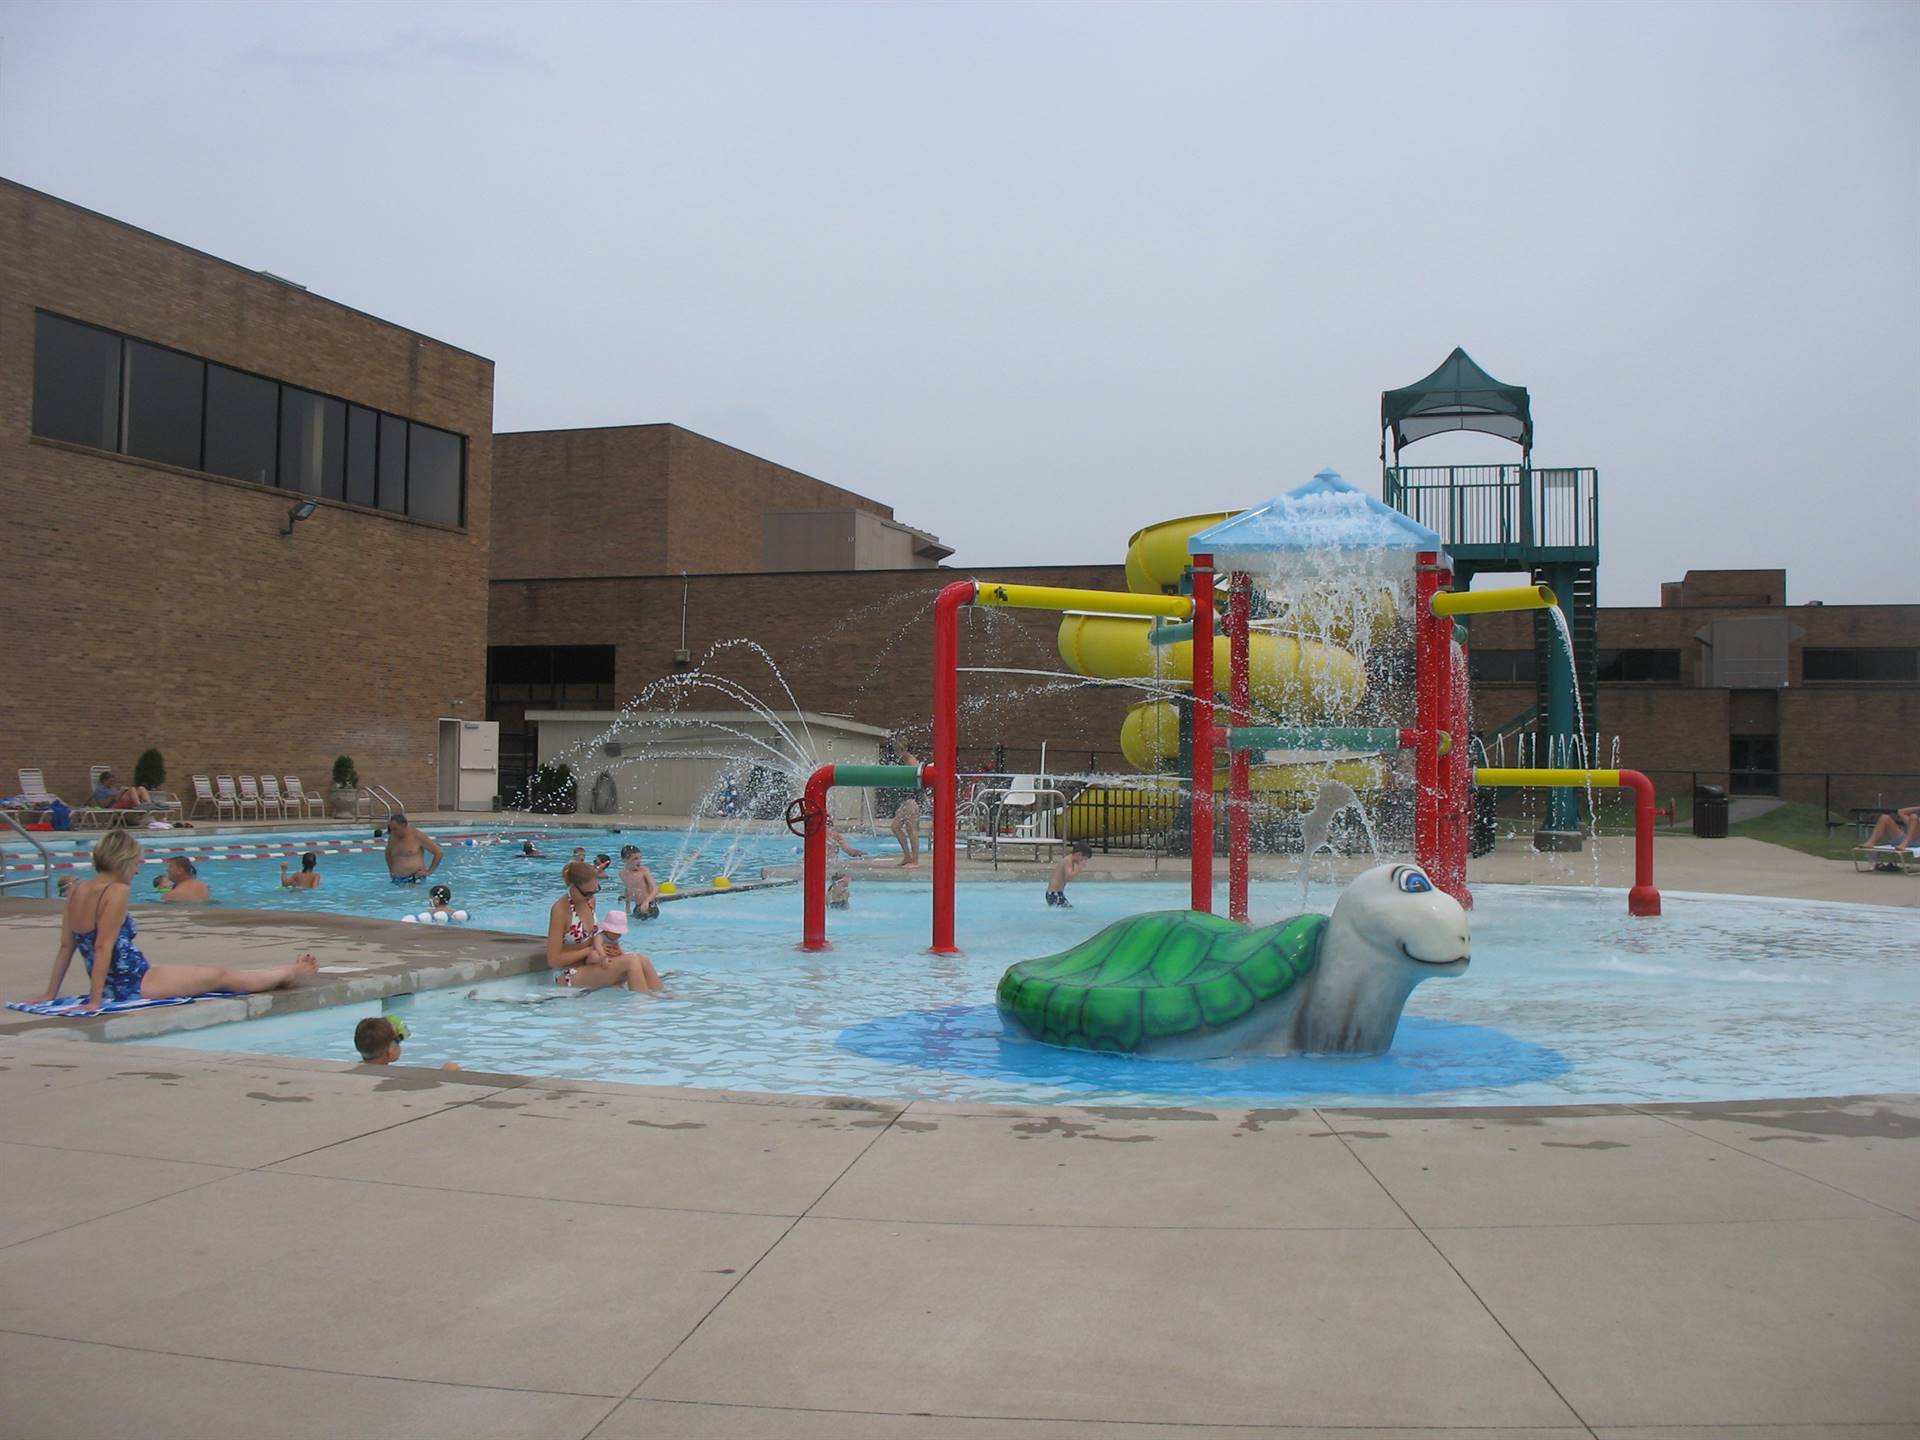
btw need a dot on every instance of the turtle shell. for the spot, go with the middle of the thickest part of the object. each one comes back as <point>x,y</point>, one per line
<point>1157,976</point>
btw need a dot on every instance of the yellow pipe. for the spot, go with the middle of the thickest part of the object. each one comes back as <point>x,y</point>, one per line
<point>1485,602</point>
<point>1551,779</point>
<point>1098,602</point>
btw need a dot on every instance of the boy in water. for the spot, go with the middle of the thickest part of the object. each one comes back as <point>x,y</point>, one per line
<point>639,889</point>
<point>378,1038</point>
<point>309,876</point>
<point>1064,869</point>
<point>840,893</point>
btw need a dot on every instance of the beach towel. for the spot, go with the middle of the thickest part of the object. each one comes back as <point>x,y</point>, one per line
<point>76,1005</point>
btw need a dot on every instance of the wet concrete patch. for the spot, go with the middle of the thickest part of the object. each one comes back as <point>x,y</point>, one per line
<point>1070,1130</point>
<point>1586,1145</point>
<point>664,1125</point>
<point>279,1099</point>
<point>1812,1122</point>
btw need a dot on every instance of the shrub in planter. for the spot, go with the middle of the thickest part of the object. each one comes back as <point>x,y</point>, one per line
<point>150,770</point>
<point>346,787</point>
<point>551,790</point>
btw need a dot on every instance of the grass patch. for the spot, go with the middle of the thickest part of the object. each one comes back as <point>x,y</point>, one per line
<point>1798,827</point>
<point>1792,825</point>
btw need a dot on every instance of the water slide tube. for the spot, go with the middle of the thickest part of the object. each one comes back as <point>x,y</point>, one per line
<point>1307,680</point>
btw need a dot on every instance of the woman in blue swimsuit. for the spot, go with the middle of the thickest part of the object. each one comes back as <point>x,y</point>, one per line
<point>98,907</point>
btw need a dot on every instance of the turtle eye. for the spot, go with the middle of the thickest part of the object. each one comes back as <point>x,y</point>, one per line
<point>1414,883</point>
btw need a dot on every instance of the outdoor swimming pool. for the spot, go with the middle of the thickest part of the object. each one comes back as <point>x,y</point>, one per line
<point>491,880</point>
<point>1568,1001</point>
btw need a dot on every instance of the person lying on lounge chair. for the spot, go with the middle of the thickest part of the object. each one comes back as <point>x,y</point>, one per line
<point>1895,830</point>
<point>109,796</point>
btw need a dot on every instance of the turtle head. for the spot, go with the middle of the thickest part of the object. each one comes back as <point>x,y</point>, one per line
<point>1398,910</point>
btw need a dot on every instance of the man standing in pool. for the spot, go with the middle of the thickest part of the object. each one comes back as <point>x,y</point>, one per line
<point>406,842</point>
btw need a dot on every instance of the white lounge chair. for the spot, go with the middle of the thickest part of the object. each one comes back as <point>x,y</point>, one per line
<point>249,795</point>
<point>229,798</point>
<point>270,797</point>
<point>297,795</point>
<point>203,795</point>
<point>34,794</point>
<point>1886,857</point>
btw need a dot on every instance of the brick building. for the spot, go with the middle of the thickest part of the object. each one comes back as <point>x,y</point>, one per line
<point>1818,703</point>
<point>161,412</point>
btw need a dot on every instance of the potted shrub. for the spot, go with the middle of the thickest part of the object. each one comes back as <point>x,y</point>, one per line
<point>551,790</point>
<point>346,788</point>
<point>150,770</point>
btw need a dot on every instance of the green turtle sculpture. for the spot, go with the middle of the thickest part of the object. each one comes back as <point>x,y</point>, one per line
<point>1178,984</point>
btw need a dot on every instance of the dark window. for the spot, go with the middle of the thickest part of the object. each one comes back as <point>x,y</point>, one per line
<point>1660,667</point>
<point>243,413</point>
<point>313,443</point>
<point>1499,665</point>
<point>541,677</point>
<point>1859,662</point>
<point>363,455</point>
<point>162,399</point>
<point>76,383</point>
<point>433,474</point>
<point>393,464</point>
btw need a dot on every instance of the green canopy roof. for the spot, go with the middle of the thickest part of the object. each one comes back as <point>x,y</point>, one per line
<point>1457,396</point>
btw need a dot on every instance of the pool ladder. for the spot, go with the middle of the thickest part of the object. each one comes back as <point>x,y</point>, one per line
<point>370,793</point>
<point>45,878</point>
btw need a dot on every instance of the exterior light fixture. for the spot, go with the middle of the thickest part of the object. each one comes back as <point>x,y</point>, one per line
<point>297,514</point>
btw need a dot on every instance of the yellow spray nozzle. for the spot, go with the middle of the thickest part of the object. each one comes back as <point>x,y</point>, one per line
<point>1487,602</point>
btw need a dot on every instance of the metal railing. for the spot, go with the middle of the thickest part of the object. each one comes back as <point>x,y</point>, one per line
<point>13,882</point>
<point>1512,507</point>
<point>370,793</point>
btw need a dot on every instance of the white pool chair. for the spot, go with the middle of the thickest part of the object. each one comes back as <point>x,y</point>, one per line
<point>228,799</point>
<point>297,796</point>
<point>270,796</point>
<point>203,795</point>
<point>250,795</point>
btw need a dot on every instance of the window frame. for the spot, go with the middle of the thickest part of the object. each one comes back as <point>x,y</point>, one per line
<point>119,449</point>
<point>1808,651</point>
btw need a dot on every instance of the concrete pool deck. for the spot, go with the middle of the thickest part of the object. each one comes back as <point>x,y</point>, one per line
<point>217,1244</point>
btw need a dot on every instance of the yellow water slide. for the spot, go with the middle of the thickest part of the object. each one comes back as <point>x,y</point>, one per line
<point>1307,681</point>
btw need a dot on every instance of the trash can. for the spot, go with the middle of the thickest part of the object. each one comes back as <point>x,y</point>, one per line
<point>1710,812</point>
<point>1484,829</point>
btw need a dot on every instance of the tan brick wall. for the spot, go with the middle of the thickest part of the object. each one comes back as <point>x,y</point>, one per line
<point>640,500</point>
<point>861,643</point>
<point>1869,728</point>
<point>150,606</point>
<point>858,643</point>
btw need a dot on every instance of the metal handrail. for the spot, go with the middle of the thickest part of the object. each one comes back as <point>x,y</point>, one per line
<point>371,792</point>
<point>995,808</point>
<point>46,859</point>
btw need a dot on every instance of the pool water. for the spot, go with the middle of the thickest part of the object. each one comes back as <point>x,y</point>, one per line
<point>1568,1001</point>
<point>498,886</point>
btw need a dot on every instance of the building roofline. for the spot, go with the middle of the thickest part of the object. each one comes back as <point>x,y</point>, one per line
<point>843,723</point>
<point>711,440</point>
<point>265,277</point>
<point>951,572</point>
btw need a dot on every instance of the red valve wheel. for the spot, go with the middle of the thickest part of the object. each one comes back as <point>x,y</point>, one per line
<point>799,812</point>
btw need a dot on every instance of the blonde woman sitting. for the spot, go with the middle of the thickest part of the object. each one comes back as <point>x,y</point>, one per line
<point>97,918</point>
<point>586,958</point>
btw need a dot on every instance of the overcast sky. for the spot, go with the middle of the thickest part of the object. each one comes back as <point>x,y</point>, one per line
<point>1037,275</point>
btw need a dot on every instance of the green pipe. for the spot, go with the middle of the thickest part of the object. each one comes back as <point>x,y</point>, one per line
<point>1312,737</point>
<point>1169,634</point>
<point>877,777</point>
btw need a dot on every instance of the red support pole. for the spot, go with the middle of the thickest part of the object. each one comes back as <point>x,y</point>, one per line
<point>1642,899</point>
<point>1239,611</point>
<point>1202,777</point>
<point>1428,672</point>
<point>946,756</point>
<point>1457,771</point>
<point>813,869</point>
